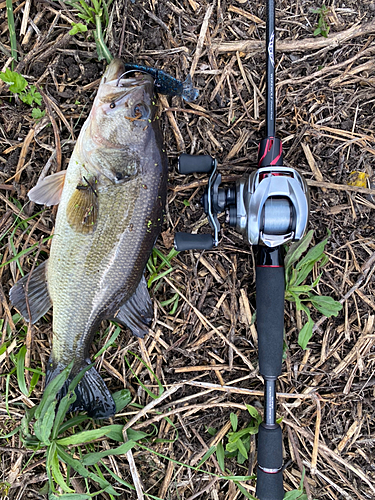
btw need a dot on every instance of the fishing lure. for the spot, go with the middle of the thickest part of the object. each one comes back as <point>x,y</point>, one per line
<point>167,84</point>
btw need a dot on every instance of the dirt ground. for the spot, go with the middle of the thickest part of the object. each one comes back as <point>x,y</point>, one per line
<point>325,118</point>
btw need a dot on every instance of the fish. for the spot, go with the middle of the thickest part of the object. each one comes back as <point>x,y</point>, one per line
<point>167,84</point>
<point>111,200</point>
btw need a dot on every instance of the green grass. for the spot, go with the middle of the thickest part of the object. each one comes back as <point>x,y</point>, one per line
<point>159,266</point>
<point>12,31</point>
<point>28,94</point>
<point>297,270</point>
<point>322,28</point>
<point>94,13</point>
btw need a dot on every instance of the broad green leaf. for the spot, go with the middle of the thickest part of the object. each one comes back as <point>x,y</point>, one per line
<point>43,425</point>
<point>11,433</point>
<point>122,398</point>
<point>305,270</point>
<point>326,305</point>
<point>295,495</point>
<point>324,261</point>
<point>254,413</point>
<point>206,456</point>
<point>241,448</point>
<point>58,477</point>
<point>21,371</point>
<point>136,435</point>
<point>231,447</point>
<point>234,421</point>
<point>297,249</point>
<point>78,28</point>
<point>313,255</point>
<point>70,496</point>
<point>34,380</point>
<point>300,289</point>
<point>93,458</point>
<point>86,436</point>
<point>17,83</point>
<point>115,433</point>
<point>37,113</point>
<point>51,391</point>
<point>220,454</point>
<point>233,436</point>
<point>305,334</point>
<point>64,405</point>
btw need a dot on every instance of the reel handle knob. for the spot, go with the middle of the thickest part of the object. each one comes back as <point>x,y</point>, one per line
<point>187,241</point>
<point>189,164</point>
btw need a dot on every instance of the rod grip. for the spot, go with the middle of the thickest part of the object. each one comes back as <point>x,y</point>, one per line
<point>189,164</point>
<point>270,291</point>
<point>187,241</point>
<point>270,458</point>
<point>269,486</point>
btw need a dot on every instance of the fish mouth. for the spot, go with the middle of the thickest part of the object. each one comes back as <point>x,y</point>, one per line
<point>115,71</point>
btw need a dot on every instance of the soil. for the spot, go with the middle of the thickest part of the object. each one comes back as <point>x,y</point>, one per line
<point>325,89</point>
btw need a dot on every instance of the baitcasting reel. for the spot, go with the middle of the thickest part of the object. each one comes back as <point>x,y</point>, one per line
<point>270,207</point>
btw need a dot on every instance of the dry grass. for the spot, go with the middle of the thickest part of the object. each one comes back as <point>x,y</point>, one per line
<point>206,354</point>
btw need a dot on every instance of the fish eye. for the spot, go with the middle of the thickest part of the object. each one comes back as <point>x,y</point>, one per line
<point>140,111</point>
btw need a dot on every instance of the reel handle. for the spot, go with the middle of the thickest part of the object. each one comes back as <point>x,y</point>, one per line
<point>190,164</point>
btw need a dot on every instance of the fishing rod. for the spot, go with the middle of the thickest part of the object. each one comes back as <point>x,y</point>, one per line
<point>269,208</point>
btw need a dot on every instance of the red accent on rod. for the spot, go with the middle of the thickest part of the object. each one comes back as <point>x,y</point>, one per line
<point>266,149</point>
<point>274,162</point>
<point>269,266</point>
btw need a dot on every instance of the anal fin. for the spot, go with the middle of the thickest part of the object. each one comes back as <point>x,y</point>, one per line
<point>48,191</point>
<point>136,313</point>
<point>37,292</point>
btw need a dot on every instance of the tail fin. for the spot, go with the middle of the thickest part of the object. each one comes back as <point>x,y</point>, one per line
<point>93,395</point>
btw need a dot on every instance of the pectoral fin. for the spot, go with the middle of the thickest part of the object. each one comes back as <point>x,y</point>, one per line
<point>82,209</point>
<point>38,296</point>
<point>137,313</point>
<point>48,191</point>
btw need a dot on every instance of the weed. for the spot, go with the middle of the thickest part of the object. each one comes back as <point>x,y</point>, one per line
<point>322,27</point>
<point>296,271</point>
<point>26,92</point>
<point>239,441</point>
<point>12,31</point>
<point>157,272</point>
<point>96,15</point>
<point>298,494</point>
<point>43,427</point>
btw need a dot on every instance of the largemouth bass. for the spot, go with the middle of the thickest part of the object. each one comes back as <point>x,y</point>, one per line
<point>111,200</point>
